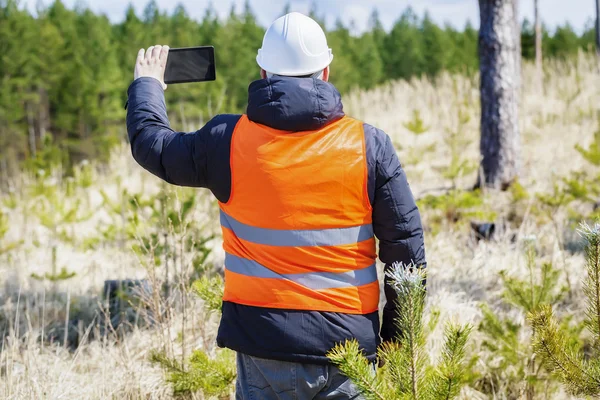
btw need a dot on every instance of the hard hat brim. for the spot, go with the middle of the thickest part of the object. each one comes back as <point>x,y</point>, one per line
<point>291,72</point>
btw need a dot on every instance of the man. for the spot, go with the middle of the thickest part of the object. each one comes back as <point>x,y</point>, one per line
<point>303,190</point>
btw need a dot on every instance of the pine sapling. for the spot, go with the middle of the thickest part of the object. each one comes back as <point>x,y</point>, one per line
<point>5,246</point>
<point>407,371</point>
<point>580,374</point>
<point>510,360</point>
<point>584,185</point>
<point>416,125</point>
<point>201,372</point>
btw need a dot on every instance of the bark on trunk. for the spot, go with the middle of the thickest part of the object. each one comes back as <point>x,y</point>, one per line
<point>43,116</point>
<point>31,130</point>
<point>538,39</point>
<point>500,68</point>
<point>598,27</point>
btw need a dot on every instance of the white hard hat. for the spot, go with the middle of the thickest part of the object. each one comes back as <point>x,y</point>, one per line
<point>294,45</point>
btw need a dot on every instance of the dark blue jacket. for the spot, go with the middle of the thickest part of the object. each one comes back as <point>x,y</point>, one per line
<point>201,159</point>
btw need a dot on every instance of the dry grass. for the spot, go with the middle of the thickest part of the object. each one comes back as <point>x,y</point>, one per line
<point>462,273</point>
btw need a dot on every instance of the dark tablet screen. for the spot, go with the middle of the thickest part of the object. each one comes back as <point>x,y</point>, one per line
<point>190,64</point>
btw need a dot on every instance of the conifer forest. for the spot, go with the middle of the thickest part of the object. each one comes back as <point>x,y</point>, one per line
<point>111,280</point>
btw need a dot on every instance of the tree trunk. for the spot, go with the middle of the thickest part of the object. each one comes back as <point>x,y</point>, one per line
<point>500,69</point>
<point>31,130</point>
<point>43,114</point>
<point>598,27</point>
<point>538,40</point>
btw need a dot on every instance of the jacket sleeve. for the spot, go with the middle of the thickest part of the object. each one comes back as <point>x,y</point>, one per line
<point>396,223</point>
<point>198,159</point>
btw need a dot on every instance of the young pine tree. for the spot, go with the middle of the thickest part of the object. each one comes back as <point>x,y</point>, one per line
<point>202,373</point>
<point>564,359</point>
<point>511,361</point>
<point>407,372</point>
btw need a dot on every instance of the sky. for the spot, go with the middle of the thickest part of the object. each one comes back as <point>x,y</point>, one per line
<point>455,12</point>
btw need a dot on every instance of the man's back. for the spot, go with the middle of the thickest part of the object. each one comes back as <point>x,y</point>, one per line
<point>303,190</point>
<point>203,159</point>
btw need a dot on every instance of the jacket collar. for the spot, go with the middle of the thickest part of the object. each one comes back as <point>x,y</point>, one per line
<point>293,104</point>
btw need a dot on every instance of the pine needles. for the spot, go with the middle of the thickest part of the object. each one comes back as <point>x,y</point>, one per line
<point>512,365</point>
<point>201,373</point>
<point>580,375</point>
<point>210,376</point>
<point>407,372</point>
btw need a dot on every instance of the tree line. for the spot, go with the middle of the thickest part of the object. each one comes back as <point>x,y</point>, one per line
<point>65,71</point>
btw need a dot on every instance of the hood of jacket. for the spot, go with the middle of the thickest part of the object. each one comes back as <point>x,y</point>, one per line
<point>294,104</point>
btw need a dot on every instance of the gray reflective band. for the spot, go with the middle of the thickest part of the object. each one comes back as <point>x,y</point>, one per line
<point>298,238</point>
<point>311,280</point>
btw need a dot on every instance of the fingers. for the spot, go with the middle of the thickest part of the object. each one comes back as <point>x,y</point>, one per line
<point>156,52</point>
<point>152,63</point>
<point>149,54</point>
<point>140,56</point>
<point>164,54</point>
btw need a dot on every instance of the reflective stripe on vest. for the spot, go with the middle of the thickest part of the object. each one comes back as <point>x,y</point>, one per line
<point>297,229</point>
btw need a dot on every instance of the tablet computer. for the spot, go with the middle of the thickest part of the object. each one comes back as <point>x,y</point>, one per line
<point>190,64</point>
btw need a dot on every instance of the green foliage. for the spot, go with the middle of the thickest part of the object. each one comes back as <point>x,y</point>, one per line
<point>416,125</point>
<point>49,157</point>
<point>58,207</point>
<point>579,186</point>
<point>450,374</point>
<point>210,376</point>
<point>211,291</point>
<point>552,345</point>
<point>511,361</point>
<point>562,356</point>
<point>4,226</point>
<point>62,102</point>
<point>455,206</point>
<point>160,226</point>
<point>592,153</point>
<point>63,275</point>
<point>348,357</point>
<point>583,187</point>
<point>550,203</point>
<point>5,246</point>
<point>457,140</point>
<point>518,193</point>
<point>541,287</point>
<point>407,372</point>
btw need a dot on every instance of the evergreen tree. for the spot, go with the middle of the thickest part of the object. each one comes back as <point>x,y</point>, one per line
<point>564,43</point>
<point>511,360</point>
<point>527,40</point>
<point>201,373</point>
<point>598,27</point>
<point>436,47</point>
<point>406,372</point>
<point>403,48</point>
<point>65,72</point>
<point>588,38</point>
<point>345,67</point>
<point>376,29</point>
<point>578,372</point>
<point>368,61</point>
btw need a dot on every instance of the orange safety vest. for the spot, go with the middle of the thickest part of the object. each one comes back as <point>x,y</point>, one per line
<point>297,228</point>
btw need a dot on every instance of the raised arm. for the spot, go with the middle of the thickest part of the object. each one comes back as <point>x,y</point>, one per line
<point>397,225</point>
<point>198,159</point>
<point>172,156</point>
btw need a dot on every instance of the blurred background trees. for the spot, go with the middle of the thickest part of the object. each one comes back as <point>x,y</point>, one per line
<point>64,72</point>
